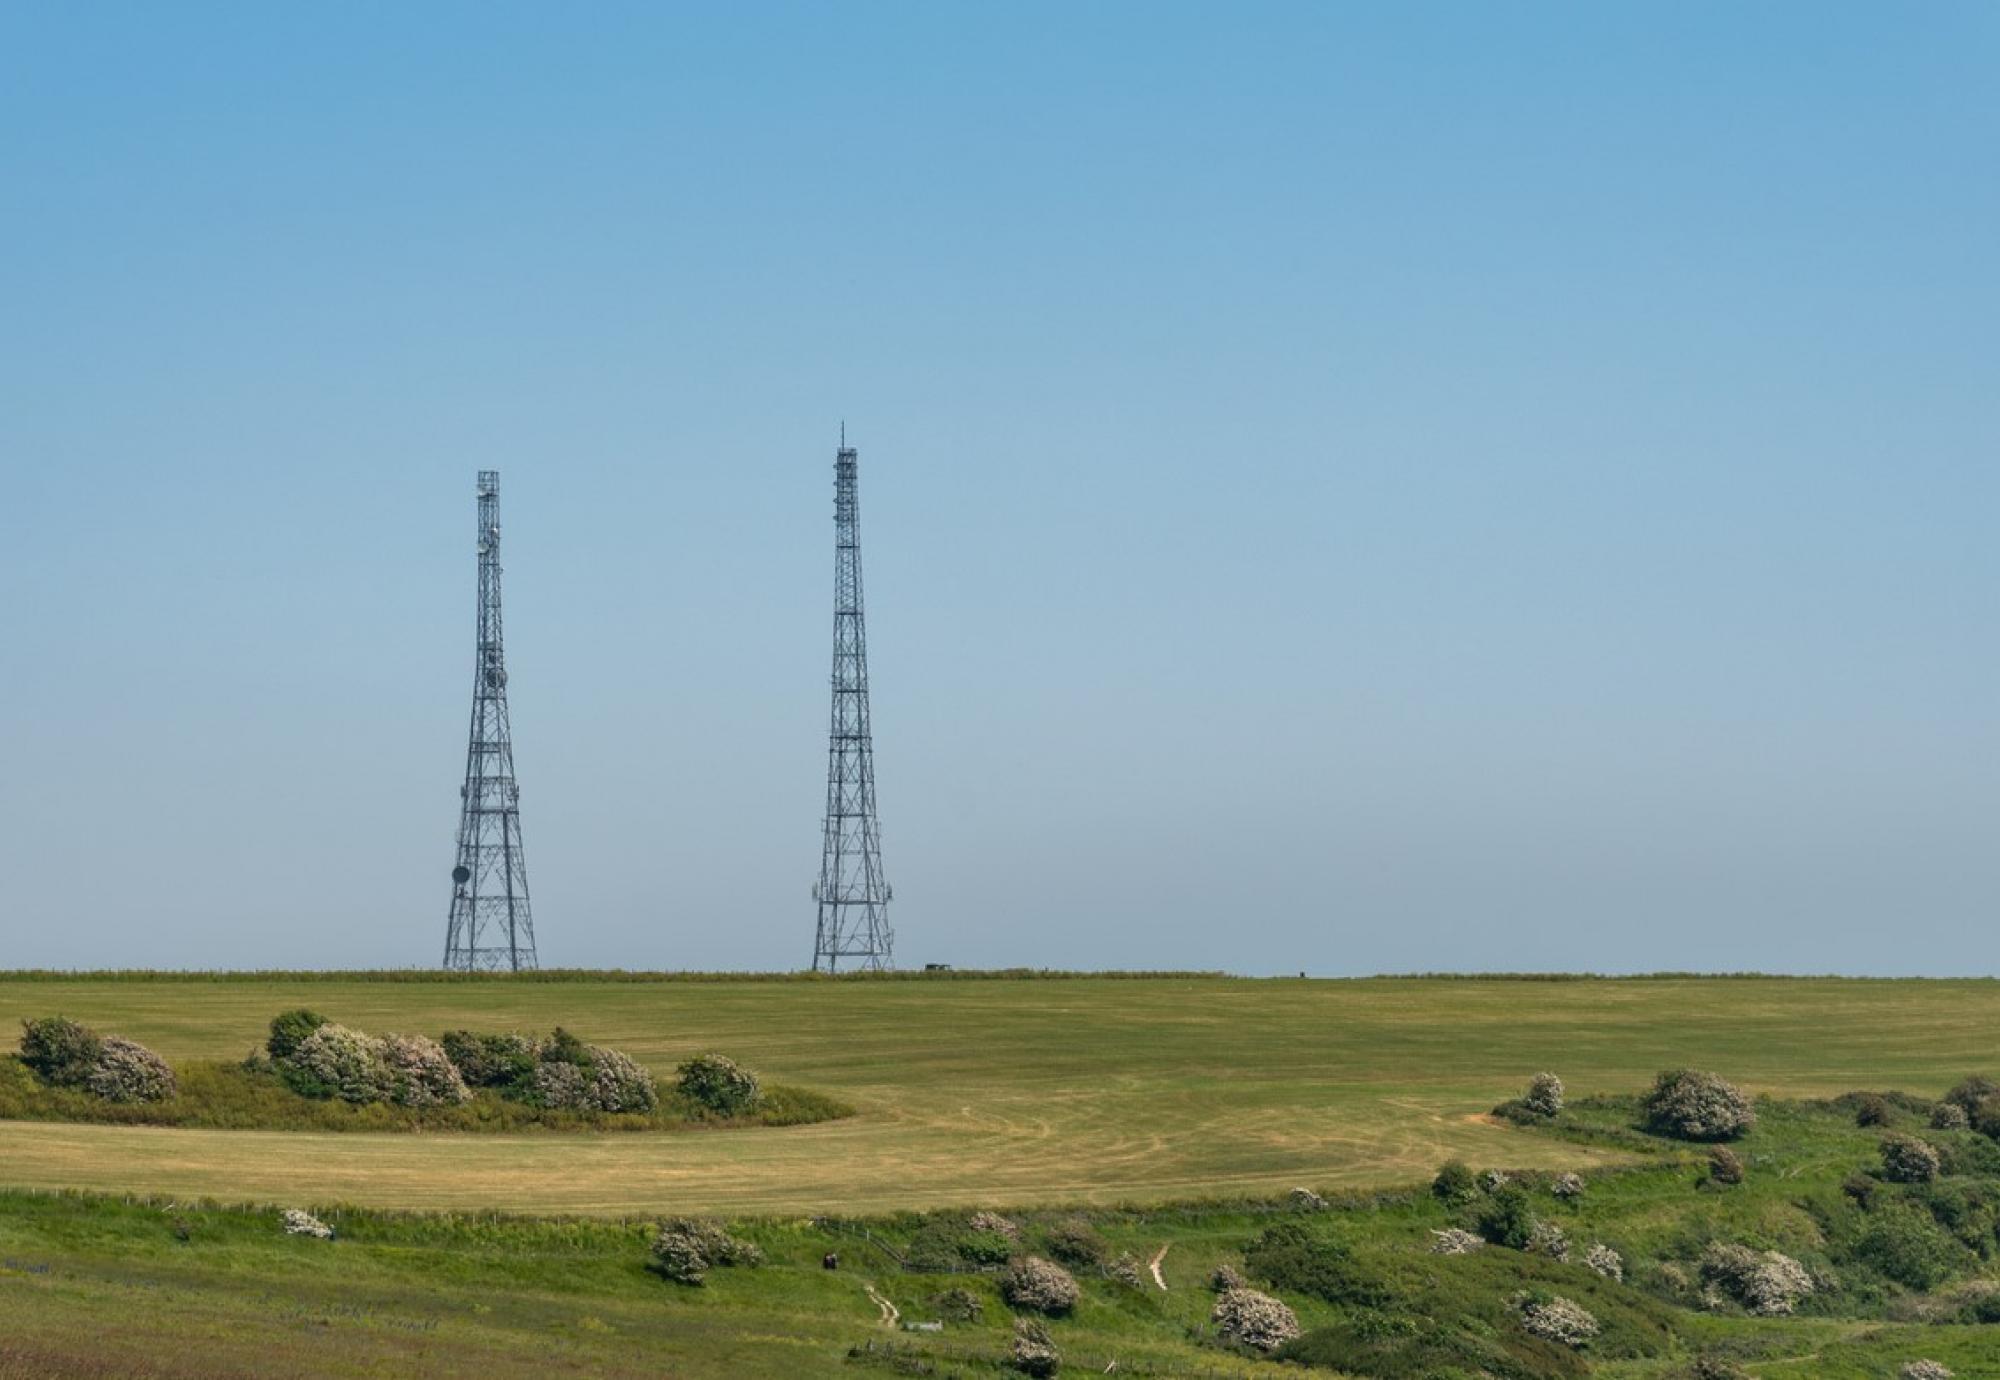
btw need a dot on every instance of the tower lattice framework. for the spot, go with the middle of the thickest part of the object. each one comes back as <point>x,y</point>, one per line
<point>853,897</point>
<point>491,925</point>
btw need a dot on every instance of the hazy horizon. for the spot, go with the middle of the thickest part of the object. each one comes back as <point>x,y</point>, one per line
<point>1342,490</point>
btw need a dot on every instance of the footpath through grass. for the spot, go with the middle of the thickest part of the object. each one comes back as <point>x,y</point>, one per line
<point>999,1091</point>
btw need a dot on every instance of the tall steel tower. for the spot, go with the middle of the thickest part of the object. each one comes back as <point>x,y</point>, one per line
<point>491,926</point>
<point>853,898</point>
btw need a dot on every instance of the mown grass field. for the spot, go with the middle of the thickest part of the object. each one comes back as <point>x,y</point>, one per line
<point>1004,1092</point>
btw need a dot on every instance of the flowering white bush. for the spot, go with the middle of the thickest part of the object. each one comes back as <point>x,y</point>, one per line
<point>558,1085</point>
<point>1254,1319</point>
<point>1567,1185</point>
<point>995,1223</point>
<point>1123,1267</point>
<point>1034,1351</point>
<point>1548,1239</point>
<point>1225,1278</point>
<point>335,1061</point>
<point>1768,1284</point>
<point>1494,1179</point>
<point>1455,1241</point>
<point>301,1223</point>
<point>1905,1160</point>
<point>1559,1320</point>
<point>129,1072</point>
<point>1305,1200</point>
<point>686,1248</point>
<point>1949,1116</point>
<point>619,1084</point>
<point>1040,1285</point>
<point>1924,1370</point>
<point>1600,1259</point>
<point>1545,1095</point>
<point>416,1072</point>
<point>1692,1105</point>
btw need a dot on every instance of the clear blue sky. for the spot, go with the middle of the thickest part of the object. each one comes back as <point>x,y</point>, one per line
<point>1344,488</point>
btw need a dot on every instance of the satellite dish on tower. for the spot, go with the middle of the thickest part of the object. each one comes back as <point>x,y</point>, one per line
<point>461,874</point>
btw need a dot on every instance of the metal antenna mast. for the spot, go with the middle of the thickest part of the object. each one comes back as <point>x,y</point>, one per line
<point>853,898</point>
<point>491,926</point>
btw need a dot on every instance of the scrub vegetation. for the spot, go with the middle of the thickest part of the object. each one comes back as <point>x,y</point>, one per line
<point>315,1074</point>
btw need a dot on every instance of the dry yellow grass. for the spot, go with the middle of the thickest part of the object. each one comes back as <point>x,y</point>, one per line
<point>1007,1091</point>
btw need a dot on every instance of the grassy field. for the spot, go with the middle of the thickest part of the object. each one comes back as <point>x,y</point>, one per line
<point>1004,1092</point>
<point>176,1290</point>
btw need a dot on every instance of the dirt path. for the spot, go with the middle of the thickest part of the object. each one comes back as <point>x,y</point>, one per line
<point>890,1313</point>
<point>1154,1265</point>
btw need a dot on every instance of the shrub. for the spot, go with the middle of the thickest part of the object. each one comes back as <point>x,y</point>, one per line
<point>1949,1116</point>
<point>1291,1256</point>
<point>995,1223</point>
<point>958,1305</point>
<point>558,1084</point>
<point>687,1248</point>
<point>1253,1319</point>
<point>1910,1248</point>
<point>1968,1093</point>
<point>719,1084</point>
<point>1870,1109</point>
<point>1544,1096</point>
<point>561,1047</point>
<point>1557,1319</point>
<point>1767,1284</point>
<point>1724,1166</point>
<point>504,1061</point>
<point>1923,1370</point>
<point>416,1072</point>
<point>589,1078</point>
<point>1968,1210</point>
<point>1688,1104</point>
<point>1455,1241</point>
<point>334,1061</point>
<point>63,1052</point>
<point>1455,1183</point>
<point>1711,1366</point>
<point>1075,1243</point>
<point>619,1084</point>
<point>1567,1186</point>
<point>289,1030</point>
<point>1907,1160</point>
<point>300,1223</point>
<point>1986,1120</point>
<point>1034,1351</point>
<point>129,1072</point>
<point>1548,1239</point>
<point>1507,1219</point>
<point>1124,1267</point>
<point>1600,1259</point>
<point>1305,1200</point>
<point>1039,1285</point>
<point>1225,1277</point>
<point>982,1247</point>
<point>1862,1188</point>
